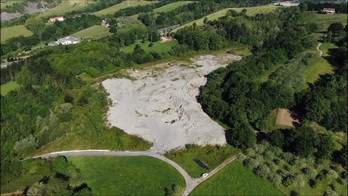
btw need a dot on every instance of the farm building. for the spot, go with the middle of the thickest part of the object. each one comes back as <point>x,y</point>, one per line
<point>54,19</point>
<point>65,41</point>
<point>329,10</point>
<point>286,3</point>
<point>167,29</point>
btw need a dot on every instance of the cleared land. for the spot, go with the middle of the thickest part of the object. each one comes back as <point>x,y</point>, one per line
<point>158,47</point>
<point>285,118</point>
<point>128,175</point>
<point>324,20</point>
<point>14,31</point>
<point>66,7</point>
<point>211,156</point>
<point>171,6</point>
<point>235,179</point>
<point>9,86</point>
<point>251,11</point>
<point>93,32</point>
<point>111,10</point>
<point>160,104</point>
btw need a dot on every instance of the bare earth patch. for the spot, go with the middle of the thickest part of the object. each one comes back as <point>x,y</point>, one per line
<point>166,39</point>
<point>161,106</point>
<point>285,118</point>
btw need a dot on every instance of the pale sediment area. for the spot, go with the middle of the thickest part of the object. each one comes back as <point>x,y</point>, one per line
<point>160,105</point>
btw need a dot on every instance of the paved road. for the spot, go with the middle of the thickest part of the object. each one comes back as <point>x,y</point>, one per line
<point>191,183</point>
<point>318,48</point>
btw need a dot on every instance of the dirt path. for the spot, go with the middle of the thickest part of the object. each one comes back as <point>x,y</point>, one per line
<point>191,183</point>
<point>318,48</point>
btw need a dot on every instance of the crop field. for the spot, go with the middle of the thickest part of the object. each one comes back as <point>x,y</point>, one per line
<point>171,6</point>
<point>111,10</point>
<point>324,20</point>
<point>66,7</point>
<point>158,47</point>
<point>128,175</point>
<point>14,31</point>
<point>251,11</point>
<point>211,156</point>
<point>9,86</point>
<point>93,32</point>
<point>239,180</point>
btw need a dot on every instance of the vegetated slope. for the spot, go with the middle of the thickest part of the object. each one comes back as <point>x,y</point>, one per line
<point>93,32</point>
<point>130,3</point>
<point>171,6</point>
<point>235,179</point>
<point>158,47</point>
<point>67,6</point>
<point>14,31</point>
<point>324,20</point>
<point>129,175</point>
<point>9,86</point>
<point>251,11</point>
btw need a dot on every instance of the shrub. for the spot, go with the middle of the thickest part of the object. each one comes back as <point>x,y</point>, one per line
<point>251,163</point>
<point>288,180</point>
<point>276,150</point>
<point>331,174</point>
<point>25,145</point>
<point>250,152</point>
<point>287,156</point>
<point>330,193</point>
<point>275,178</point>
<point>273,167</point>
<point>294,193</point>
<point>269,155</point>
<point>300,180</point>
<point>262,171</point>
<point>312,183</point>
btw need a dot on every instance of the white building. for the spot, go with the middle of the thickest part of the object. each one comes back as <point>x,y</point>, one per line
<point>65,41</point>
<point>54,19</point>
<point>329,10</point>
<point>286,3</point>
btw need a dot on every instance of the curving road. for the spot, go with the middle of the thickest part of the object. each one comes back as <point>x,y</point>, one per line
<point>191,183</point>
<point>318,48</point>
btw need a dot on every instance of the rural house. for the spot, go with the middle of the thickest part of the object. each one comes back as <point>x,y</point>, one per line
<point>104,23</point>
<point>54,19</point>
<point>167,29</point>
<point>65,41</point>
<point>286,3</point>
<point>329,10</point>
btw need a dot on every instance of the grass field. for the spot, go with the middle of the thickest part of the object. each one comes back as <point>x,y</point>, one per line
<point>14,31</point>
<point>157,46</point>
<point>111,10</point>
<point>320,65</point>
<point>128,175</point>
<point>93,32</point>
<point>171,6</point>
<point>211,156</point>
<point>324,20</point>
<point>251,11</point>
<point>235,179</point>
<point>9,86</point>
<point>67,6</point>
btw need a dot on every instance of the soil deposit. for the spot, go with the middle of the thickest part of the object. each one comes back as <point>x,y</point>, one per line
<point>160,104</point>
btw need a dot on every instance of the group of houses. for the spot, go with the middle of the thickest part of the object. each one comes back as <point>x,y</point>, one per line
<point>65,41</point>
<point>57,18</point>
